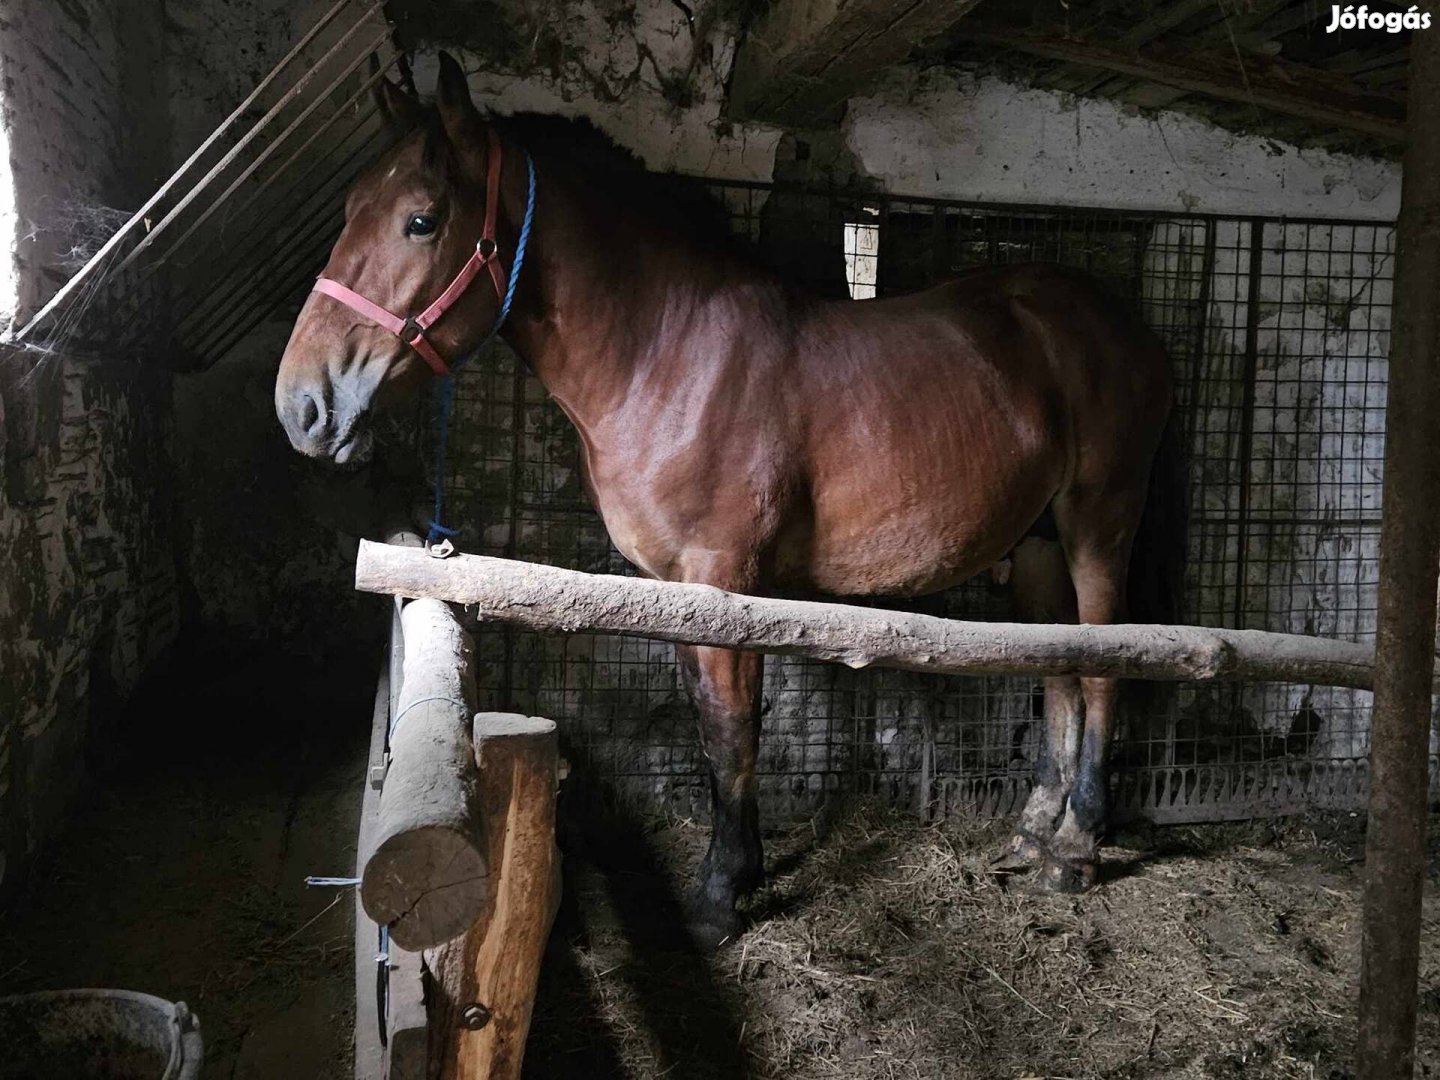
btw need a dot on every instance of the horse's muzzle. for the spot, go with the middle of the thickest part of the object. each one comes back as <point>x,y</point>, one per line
<point>317,430</point>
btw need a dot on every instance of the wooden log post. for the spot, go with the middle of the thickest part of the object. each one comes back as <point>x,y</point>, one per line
<point>427,876</point>
<point>1395,855</point>
<point>482,987</point>
<point>548,598</point>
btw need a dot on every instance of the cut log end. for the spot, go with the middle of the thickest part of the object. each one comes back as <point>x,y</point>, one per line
<point>426,885</point>
<point>511,726</point>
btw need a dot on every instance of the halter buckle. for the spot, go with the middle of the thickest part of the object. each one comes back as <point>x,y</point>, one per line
<point>485,247</point>
<point>412,331</point>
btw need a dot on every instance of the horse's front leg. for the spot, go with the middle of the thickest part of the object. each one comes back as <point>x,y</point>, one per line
<point>725,686</point>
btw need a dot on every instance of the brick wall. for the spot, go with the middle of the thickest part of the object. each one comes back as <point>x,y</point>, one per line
<point>88,592</point>
<point>84,116</point>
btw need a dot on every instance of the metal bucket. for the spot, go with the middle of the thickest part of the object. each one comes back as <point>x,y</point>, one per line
<point>97,1035</point>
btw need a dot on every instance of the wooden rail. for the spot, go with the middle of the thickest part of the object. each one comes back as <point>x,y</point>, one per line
<point>548,598</point>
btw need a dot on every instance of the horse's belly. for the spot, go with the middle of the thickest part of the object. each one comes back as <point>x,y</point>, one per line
<point>889,562</point>
<point>901,539</point>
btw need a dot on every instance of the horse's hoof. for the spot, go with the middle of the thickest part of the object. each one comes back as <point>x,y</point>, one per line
<point>1023,852</point>
<point>712,926</point>
<point>1062,876</point>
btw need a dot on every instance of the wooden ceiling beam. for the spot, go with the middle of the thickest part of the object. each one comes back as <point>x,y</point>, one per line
<point>1163,21</point>
<point>804,58</point>
<point>1264,82</point>
<point>1280,23</point>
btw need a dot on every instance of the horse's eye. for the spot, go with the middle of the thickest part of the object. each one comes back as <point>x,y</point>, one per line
<point>420,225</point>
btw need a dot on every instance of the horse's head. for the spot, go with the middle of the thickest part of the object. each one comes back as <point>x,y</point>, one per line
<point>411,223</point>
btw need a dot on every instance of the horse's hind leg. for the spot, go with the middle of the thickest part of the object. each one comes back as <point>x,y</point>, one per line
<point>725,686</point>
<point>1044,593</point>
<point>1098,530</point>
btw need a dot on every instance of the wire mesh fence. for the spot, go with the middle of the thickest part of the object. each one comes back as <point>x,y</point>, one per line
<point>1278,331</point>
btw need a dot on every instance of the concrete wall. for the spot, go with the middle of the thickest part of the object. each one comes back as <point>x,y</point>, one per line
<point>267,538</point>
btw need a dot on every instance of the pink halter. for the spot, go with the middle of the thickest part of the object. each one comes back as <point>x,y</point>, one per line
<point>412,330</point>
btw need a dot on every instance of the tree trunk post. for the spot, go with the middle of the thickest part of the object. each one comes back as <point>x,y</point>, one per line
<point>482,987</point>
<point>1405,623</point>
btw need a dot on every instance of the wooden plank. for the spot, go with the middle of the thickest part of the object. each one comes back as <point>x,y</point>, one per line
<point>1287,19</point>
<point>1167,18</point>
<point>549,598</point>
<point>369,1053</point>
<point>1262,81</point>
<point>806,57</point>
<point>407,1053</point>
<point>1395,847</point>
<point>403,1054</point>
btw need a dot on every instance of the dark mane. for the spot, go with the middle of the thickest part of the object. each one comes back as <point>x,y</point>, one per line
<point>668,199</point>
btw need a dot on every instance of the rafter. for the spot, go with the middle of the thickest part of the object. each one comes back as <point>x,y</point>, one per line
<point>1262,81</point>
<point>805,57</point>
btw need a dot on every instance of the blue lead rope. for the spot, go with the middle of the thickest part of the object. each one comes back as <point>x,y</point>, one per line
<point>446,404</point>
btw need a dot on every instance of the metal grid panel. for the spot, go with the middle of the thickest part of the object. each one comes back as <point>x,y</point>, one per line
<point>1278,332</point>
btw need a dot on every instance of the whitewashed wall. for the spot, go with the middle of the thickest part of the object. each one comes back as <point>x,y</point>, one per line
<point>655,83</point>
<point>945,133</point>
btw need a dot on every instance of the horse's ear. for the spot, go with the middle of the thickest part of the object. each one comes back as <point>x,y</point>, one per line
<point>401,112</point>
<point>458,115</point>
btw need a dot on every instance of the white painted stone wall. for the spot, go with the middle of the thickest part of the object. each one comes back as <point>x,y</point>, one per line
<point>935,132</point>
<point>621,74</point>
<point>945,133</point>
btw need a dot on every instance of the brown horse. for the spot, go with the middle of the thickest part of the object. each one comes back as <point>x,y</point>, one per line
<point>740,432</point>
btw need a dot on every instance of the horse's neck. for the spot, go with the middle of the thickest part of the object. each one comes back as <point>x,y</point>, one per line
<point>590,310</point>
<point>563,311</point>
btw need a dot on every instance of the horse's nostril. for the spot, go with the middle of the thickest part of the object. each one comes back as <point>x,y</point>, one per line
<point>312,419</point>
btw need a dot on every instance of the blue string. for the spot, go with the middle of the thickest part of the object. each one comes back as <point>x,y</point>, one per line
<point>437,530</point>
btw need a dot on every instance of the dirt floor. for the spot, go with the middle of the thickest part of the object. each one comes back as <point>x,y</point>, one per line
<point>883,948</point>
<point>182,872</point>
